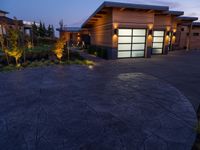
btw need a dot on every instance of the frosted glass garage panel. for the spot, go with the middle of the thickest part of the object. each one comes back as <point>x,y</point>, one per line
<point>124,32</point>
<point>158,33</point>
<point>138,54</point>
<point>124,40</point>
<point>138,46</point>
<point>157,45</point>
<point>157,51</point>
<point>158,39</point>
<point>122,47</point>
<point>139,32</point>
<point>124,54</point>
<point>139,40</point>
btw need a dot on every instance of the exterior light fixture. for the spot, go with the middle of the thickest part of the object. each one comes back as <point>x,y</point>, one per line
<point>150,32</point>
<point>174,33</point>
<point>115,31</point>
<point>168,33</point>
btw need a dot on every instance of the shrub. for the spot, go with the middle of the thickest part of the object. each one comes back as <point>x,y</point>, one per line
<point>98,51</point>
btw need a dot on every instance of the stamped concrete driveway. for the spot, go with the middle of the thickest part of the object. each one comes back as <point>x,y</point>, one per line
<point>132,104</point>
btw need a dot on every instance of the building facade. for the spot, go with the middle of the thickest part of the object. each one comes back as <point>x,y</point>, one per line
<point>132,30</point>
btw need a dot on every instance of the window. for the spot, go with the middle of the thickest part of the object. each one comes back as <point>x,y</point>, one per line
<point>182,29</point>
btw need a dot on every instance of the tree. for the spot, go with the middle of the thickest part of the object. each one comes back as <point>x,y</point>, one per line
<point>52,32</point>
<point>44,30</point>
<point>2,39</point>
<point>59,48</point>
<point>41,30</point>
<point>34,30</point>
<point>49,31</point>
<point>14,50</point>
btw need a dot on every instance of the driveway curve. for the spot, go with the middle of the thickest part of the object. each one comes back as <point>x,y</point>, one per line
<point>76,108</point>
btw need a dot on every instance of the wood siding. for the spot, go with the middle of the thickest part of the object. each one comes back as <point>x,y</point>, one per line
<point>101,32</point>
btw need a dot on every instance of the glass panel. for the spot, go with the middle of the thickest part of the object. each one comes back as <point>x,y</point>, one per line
<point>138,39</point>
<point>124,40</point>
<point>158,39</point>
<point>139,32</point>
<point>138,47</point>
<point>158,33</point>
<point>123,32</point>
<point>157,45</point>
<point>157,51</point>
<point>124,47</point>
<point>124,54</point>
<point>138,54</point>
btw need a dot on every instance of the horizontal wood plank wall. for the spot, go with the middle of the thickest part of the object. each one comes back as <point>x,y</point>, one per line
<point>101,32</point>
<point>195,40</point>
<point>132,17</point>
<point>162,21</point>
<point>128,18</point>
<point>181,37</point>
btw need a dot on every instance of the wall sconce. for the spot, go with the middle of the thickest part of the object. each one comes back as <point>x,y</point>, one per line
<point>115,31</point>
<point>173,33</point>
<point>150,33</point>
<point>168,33</point>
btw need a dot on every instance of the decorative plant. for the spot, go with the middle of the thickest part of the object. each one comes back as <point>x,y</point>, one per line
<point>59,48</point>
<point>14,37</point>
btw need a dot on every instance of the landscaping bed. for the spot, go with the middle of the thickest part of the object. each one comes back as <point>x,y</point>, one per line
<point>42,57</point>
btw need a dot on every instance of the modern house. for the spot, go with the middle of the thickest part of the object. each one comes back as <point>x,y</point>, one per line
<point>6,22</point>
<point>132,30</point>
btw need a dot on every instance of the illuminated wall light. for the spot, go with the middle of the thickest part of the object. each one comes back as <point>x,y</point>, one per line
<point>150,33</point>
<point>115,31</point>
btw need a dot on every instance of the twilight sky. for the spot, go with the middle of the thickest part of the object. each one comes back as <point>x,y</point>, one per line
<point>74,12</point>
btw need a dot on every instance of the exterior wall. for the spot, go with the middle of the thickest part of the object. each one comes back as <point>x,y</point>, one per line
<point>194,41</point>
<point>131,19</point>
<point>101,32</point>
<point>181,37</point>
<point>2,14</point>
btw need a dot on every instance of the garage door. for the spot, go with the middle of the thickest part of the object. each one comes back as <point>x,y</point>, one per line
<point>158,42</point>
<point>131,43</point>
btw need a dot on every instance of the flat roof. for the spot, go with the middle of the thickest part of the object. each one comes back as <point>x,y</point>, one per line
<point>186,18</point>
<point>70,29</point>
<point>196,24</point>
<point>126,5</point>
<point>4,12</point>
<point>174,13</point>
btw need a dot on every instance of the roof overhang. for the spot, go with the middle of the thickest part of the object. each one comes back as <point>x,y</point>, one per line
<point>185,18</point>
<point>4,12</point>
<point>123,6</point>
<point>69,29</point>
<point>196,24</point>
<point>174,13</point>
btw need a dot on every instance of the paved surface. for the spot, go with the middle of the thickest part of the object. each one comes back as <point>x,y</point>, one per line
<point>140,104</point>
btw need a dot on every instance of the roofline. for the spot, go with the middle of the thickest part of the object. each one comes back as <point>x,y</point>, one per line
<point>174,13</point>
<point>4,12</point>
<point>196,24</point>
<point>186,18</point>
<point>126,5</point>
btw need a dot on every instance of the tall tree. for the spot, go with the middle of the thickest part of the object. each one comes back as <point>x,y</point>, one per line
<point>52,32</point>
<point>49,31</point>
<point>34,30</point>
<point>40,30</point>
<point>44,30</point>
